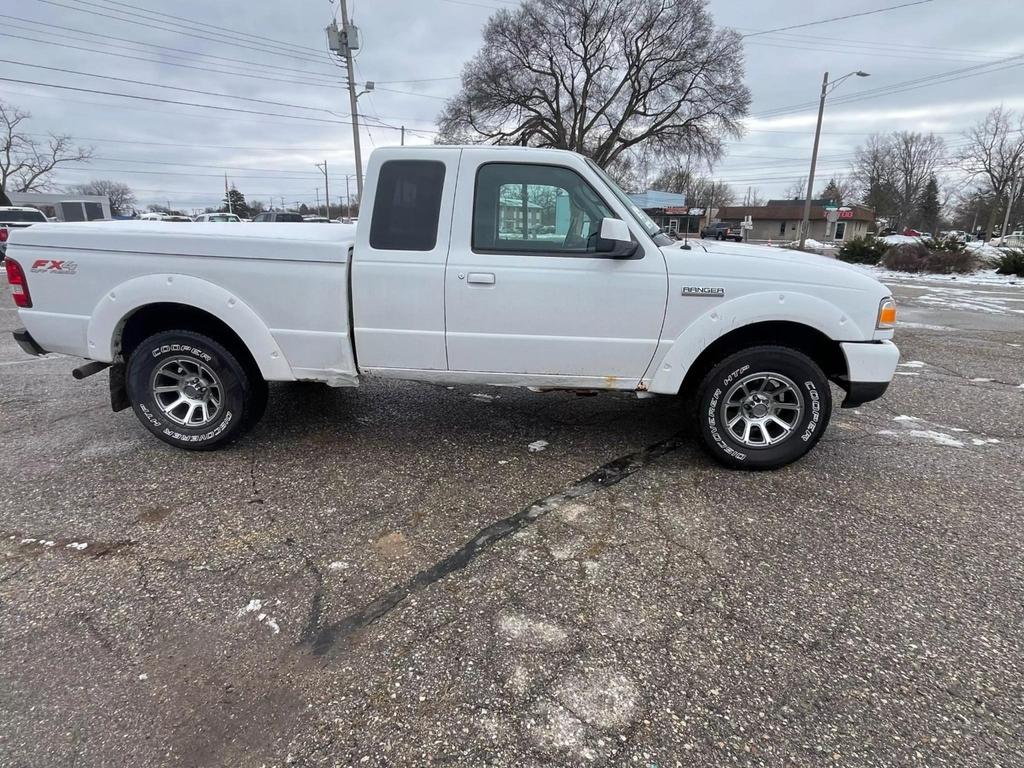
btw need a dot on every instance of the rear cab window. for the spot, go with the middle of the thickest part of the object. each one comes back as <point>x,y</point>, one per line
<point>407,205</point>
<point>21,217</point>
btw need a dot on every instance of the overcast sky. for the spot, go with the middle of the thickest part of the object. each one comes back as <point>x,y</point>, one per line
<point>176,153</point>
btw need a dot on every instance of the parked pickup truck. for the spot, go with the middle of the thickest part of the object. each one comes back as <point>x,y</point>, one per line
<point>506,266</point>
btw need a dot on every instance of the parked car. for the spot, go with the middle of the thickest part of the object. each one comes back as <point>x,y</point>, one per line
<point>721,230</point>
<point>316,220</point>
<point>278,216</point>
<point>157,216</point>
<point>15,217</point>
<point>427,287</point>
<point>223,218</point>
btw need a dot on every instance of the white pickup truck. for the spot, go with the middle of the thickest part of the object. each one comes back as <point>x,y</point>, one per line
<point>506,266</point>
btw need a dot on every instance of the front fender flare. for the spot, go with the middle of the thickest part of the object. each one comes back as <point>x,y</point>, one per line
<point>747,310</point>
<point>109,315</point>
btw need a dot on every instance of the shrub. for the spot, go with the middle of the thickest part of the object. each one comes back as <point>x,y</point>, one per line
<point>862,250</point>
<point>918,257</point>
<point>907,257</point>
<point>946,244</point>
<point>1011,263</point>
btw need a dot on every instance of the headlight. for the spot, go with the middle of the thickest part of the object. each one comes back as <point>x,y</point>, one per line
<point>886,314</point>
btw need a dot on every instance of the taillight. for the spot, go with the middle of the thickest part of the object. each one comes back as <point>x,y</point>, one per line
<point>19,286</point>
<point>3,234</point>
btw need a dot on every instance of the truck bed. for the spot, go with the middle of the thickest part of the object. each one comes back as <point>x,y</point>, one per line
<point>289,304</point>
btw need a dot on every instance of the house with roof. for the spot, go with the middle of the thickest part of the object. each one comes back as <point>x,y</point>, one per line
<point>780,220</point>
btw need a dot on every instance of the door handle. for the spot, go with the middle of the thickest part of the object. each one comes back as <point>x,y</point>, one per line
<point>480,278</point>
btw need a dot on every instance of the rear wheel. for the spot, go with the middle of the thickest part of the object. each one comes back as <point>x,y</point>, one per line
<point>191,391</point>
<point>763,408</point>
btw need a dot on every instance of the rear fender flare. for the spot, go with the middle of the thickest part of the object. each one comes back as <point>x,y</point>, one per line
<point>109,315</point>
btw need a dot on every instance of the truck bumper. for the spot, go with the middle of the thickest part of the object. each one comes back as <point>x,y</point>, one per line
<point>27,343</point>
<point>870,367</point>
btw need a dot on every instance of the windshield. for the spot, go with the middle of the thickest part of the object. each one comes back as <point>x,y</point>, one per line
<point>21,216</point>
<point>645,221</point>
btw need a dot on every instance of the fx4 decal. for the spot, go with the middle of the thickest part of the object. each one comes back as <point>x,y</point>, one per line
<point>55,266</point>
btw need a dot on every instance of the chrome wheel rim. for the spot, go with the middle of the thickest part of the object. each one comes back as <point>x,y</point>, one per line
<point>187,392</point>
<point>762,410</point>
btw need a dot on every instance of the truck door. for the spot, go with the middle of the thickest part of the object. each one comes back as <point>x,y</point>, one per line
<point>526,290</point>
<point>399,259</point>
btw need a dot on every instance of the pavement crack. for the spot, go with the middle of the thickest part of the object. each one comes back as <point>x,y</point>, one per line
<point>604,476</point>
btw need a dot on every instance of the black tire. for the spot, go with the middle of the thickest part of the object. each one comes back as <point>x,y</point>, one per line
<point>810,390</point>
<point>720,236</point>
<point>238,397</point>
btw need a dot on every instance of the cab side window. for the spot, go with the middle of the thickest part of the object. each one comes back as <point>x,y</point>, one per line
<point>535,209</point>
<point>407,205</point>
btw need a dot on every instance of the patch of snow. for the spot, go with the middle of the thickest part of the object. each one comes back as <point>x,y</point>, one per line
<point>913,364</point>
<point>981,379</point>
<point>143,676</point>
<point>927,434</point>
<point>986,441</point>
<point>337,565</point>
<point>907,373</point>
<point>273,626</point>
<point>253,606</point>
<point>905,418</point>
<point>537,446</point>
<point>481,396</point>
<point>78,545</point>
<point>981,277</point>
<point>926,326</point>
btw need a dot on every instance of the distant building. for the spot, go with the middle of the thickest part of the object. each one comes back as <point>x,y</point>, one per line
<point>669,210</point>
<point>780,220</point>
<point>63,206</point>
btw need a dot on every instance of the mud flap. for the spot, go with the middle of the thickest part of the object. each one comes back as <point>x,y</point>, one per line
<point>118,390</point>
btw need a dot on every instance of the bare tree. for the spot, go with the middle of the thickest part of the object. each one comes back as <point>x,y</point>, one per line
<point>840,190</point>
<point>797,190</point>
<point>699,190</point>
<point>120,195</point>
<point>602,77</point>
<point>891,173</point>
<point>916,158</point>
<point>26,163</point>
<point>993,155</point>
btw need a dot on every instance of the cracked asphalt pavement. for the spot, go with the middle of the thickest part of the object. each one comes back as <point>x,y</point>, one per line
<point>393,576</point>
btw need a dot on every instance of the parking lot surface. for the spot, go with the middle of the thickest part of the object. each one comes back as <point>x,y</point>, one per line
<point>408,574</point>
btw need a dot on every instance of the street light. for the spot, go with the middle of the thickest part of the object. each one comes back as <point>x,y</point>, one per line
<point>826,89</point>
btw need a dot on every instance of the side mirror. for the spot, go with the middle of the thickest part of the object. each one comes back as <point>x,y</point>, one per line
<point>614,240</point>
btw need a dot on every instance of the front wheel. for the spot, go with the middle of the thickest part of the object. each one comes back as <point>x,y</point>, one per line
<point>191,391</point>
<point>763,408</point>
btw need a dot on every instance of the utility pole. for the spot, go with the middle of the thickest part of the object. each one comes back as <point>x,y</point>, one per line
<point>805,224</point>
<point>318,201</point>
<point>227,195</point>
<point>403,135</point>
<point>1009,205</point>
<point>343,42</point>
<point>327,188</point>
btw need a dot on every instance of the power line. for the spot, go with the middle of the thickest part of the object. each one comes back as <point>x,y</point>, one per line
<point>164,62</point>
<point>188,33</point>
<point>893,88</point>
<point>836,18</point>
<point>185,103</point>
<point>147,45</point>
<point>169,87</point>
<point>229,30</point>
